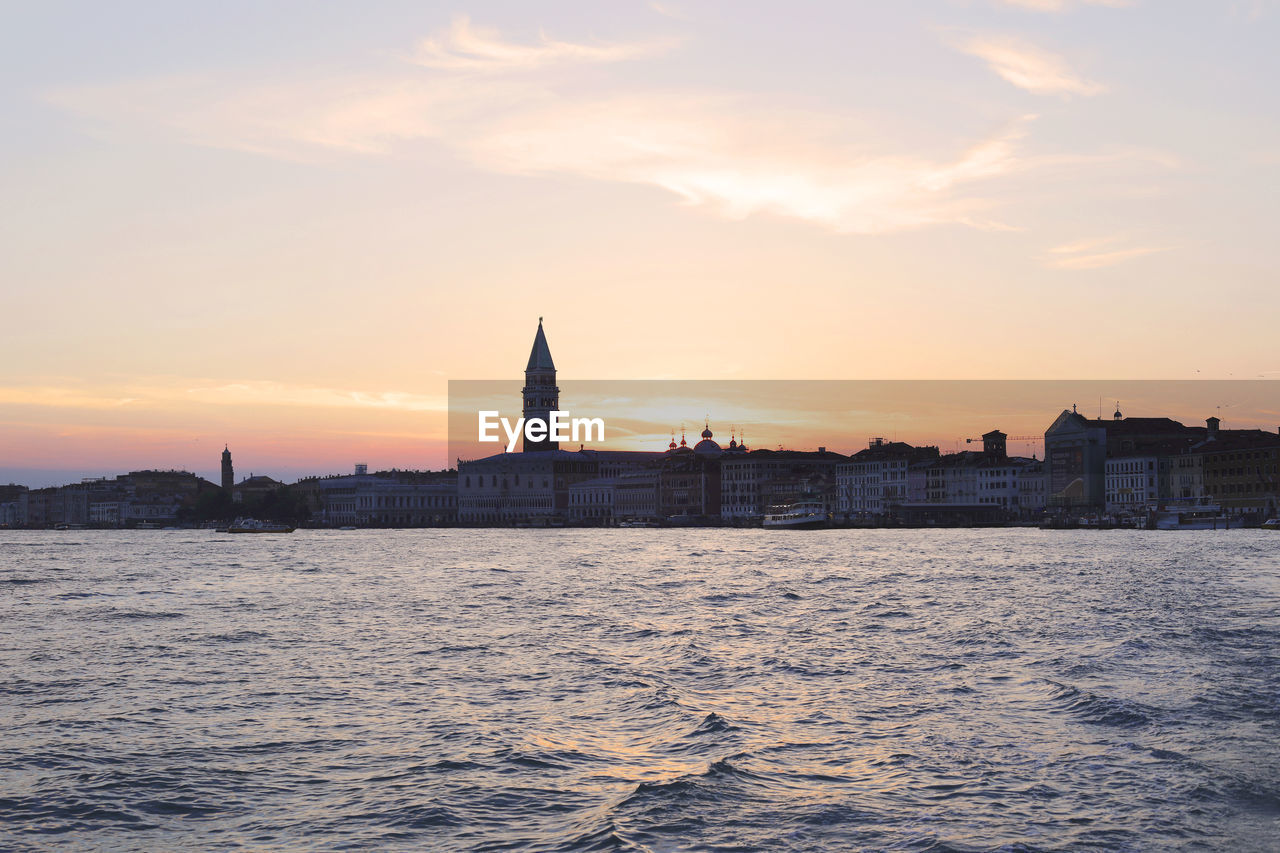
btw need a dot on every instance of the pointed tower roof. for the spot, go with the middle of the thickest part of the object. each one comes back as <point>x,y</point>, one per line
<point>540,356</point>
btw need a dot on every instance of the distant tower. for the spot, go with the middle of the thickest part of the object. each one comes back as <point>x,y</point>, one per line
<point>228,474</point>
<point>541,396</point>
<point>1117,416</point>
<point>993,444</point>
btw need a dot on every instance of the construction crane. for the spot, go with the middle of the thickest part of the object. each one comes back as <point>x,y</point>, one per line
<point>1027,438</point>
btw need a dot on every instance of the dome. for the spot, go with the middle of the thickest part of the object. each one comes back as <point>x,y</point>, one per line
<point>707,447</point>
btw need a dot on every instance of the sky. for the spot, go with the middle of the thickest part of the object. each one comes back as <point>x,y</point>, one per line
<point>286,226</point>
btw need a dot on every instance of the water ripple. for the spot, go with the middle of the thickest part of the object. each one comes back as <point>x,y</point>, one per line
<point>681,690</point>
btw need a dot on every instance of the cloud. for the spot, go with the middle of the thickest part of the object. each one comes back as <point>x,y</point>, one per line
<point>1086,254</point>
<point>732,156</point>
<point>712,155</point>
<point>1064,5</point>
<point>466,48</point>
<point>299,119</point>
<point>247,393</point>
<point>713,151</point>
<point>59,397</point>
<point>1029,67</point>
<point>667,10</point>
<point>258,393</point>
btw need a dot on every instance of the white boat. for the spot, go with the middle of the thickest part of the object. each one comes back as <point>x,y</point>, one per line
<point>1194,517</point>
<point>252,525</point>
<point>1271,524</point>
<point>800,515</point>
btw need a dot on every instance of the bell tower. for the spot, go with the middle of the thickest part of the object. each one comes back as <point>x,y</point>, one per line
<point>541,396</point>
<point>228,473</point>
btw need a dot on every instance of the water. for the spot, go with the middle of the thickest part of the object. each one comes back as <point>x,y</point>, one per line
<point>640,690</point>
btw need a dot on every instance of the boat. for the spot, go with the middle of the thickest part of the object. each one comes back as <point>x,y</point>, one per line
<point>638,523</point>
<point>801,515</point>
<point>1193,517</point>
<point>1271,524</point>
<point>252,525</point>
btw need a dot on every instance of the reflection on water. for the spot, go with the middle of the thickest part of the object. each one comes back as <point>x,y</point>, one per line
<point>640,690</point>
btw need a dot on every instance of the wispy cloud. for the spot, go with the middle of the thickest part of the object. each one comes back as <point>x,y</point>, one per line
<point>1095,254</point>
<point>731,156</point>
<point>63,397</point>
<point>668,10</point>
<point>464,47</point>
<point>711,151</point>
<point>711,155</point>
<point>264,393</point>
<point>1029,67</point>
<point>237,393</point>
<point>1064,5</point>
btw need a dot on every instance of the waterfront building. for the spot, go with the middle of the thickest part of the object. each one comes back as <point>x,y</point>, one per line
<point>1185,473</point>
<point>874,479</point>
<point>1133,483</point>
<point>150,496</point>
<point>1239,469</point>
<point>592,501</point>
<point>384,499</point>
<point>753,481</point>
<point>1077,449</point>
<point>13,505</point>
<point>533,486</point>
<point>253,488</point>
<point>970,487</point>
<point>636,495</point>
<point>689,479</point>
<point>1031,494</point>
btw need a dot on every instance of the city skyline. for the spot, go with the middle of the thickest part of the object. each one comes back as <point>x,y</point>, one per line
<point>840,415</point>
<point>288,231</point>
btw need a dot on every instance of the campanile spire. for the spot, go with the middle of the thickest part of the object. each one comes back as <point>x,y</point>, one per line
<point>541,396</point>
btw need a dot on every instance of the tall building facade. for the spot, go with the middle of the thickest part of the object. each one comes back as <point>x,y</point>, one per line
<point>541,396</point>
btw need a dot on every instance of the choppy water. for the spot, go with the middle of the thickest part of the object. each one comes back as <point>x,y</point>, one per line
<point>640,690</point>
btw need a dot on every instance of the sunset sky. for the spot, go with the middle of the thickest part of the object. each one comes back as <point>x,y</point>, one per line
<point>285,226</point>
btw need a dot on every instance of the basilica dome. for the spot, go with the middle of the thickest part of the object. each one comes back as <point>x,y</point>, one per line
<point>707,447</point>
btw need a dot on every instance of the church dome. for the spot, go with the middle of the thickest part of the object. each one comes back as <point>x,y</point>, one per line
<point>707,447</point>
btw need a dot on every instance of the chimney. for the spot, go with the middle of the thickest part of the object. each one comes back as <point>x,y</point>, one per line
<point>1212,424</point>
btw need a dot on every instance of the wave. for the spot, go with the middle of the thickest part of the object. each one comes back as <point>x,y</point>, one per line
<point>1096,709</point>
